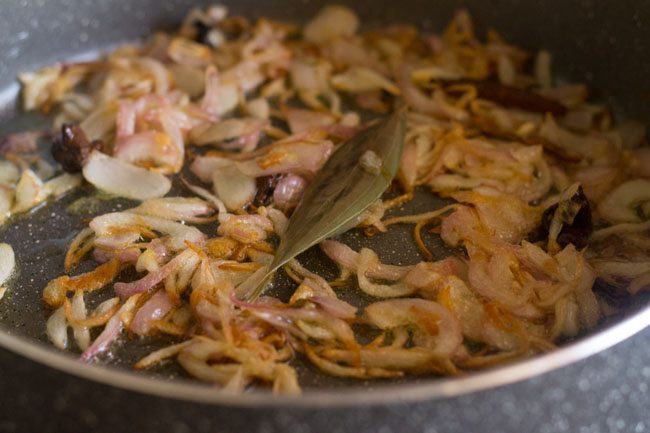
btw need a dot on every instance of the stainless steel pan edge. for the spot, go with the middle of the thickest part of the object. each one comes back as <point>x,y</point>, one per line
<point>33,33</point>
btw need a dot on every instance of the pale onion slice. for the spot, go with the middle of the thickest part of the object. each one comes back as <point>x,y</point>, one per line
<point>433,326</point>
<point>37,86</point>
<point>259,108</point>
<point>279,221</point>
<point>310,76</point>
<point>188,209</point>
<point>106,225</point>
<point>61,184</point>
<point>623,203</point>
<point>8,172</point>
<point>29,192</point>
<point>234,187</point>
<point>358,80</point>
<point>7,262</point>
<point>226,131</point>
<point>6,201</point>
<point>81,333</point>
<point>57,329</point>
<point>301,120</point>
<point>331,22</point>
<point>123,179</point>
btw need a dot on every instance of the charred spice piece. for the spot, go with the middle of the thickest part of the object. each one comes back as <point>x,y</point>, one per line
<point>202,32</point>
<point>513,97</point>
<point>265,188</point>
<point>72,147</point>
<point>568,221</point>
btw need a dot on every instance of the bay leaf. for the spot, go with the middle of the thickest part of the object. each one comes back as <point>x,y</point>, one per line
<point>339,193</point>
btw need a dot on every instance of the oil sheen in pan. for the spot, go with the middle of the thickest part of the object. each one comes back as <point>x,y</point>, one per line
<point>41,238</point>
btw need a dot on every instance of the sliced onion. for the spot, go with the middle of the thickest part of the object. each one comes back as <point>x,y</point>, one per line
<point>335,307</point>
<point>162,354</point>
<point>155,308</point>
<point>359,80</point>
<point>408,169</point>
<point>100,122</point>
<point>349,259</point>
<point>597,180</point>
<point>331,22</point>
<point>574,146</point>
<point>247,229</point>
<point>125,119</point>
<point>218,98</point>
<point>346,52</point>
<point>149,148</point>
<point>157,71</point>
<point>301,120</point>
<point>288,191</point>
<point>279,220</point>
<point>623,202</point>
<point>438,328</point>
<point>310,76</point>
<point>188,78</point>
<point>188,52</point>
<point>123,179</point>
<point>57,329</point>
<point>428,277</point>
<point>29,192</point>
<point>493,278</point>
<point>437,106</point>
<point>37,86</point>
<point>8,172</point>
<point>111,331</point>
<point>300,158</point>
<point>59,185</point>
<point>148,282</point>
<point>259,108</point>
<point>205,166</point>
<point>619,268</point>
<point>7,262</point>
<point>229,133</point>
<point>192,210</point>
<point>81,333</point>
<point>105,225</point>
<point>368,260</point>
<point>620,229</point>
<point>234,187</point>
<point>6,202</point>
<point>571,95</point>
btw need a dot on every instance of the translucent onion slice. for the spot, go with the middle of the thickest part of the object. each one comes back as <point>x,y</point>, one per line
<point>57,329</point>
<point>123,179</point>
<point>29,192</point>
<point>7,262</point>
<point>330,23</point>
<point>625,203</point>
<point>234,187</point>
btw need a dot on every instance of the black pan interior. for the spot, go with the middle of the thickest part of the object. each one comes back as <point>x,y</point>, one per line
<point>600,43</point>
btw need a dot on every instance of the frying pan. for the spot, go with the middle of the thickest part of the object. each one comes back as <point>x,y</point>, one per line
<point>601,43</point>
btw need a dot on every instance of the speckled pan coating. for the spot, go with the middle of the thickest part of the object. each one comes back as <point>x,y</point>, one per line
<point>602,42</point>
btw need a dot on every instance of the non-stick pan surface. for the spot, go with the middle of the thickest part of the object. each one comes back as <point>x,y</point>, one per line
<point>602,43</point>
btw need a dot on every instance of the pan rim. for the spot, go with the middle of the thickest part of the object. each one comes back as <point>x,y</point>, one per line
<point>433,389</point>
